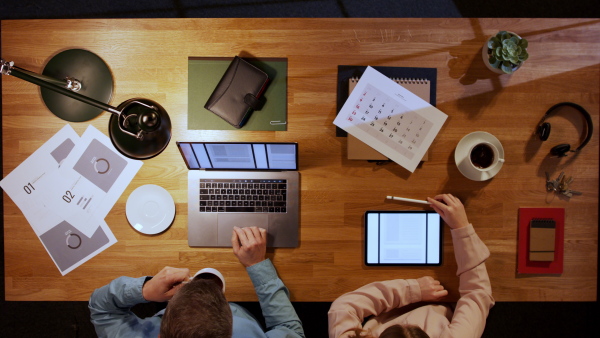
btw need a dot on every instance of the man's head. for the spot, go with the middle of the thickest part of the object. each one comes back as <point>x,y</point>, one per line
<point>198,309</point>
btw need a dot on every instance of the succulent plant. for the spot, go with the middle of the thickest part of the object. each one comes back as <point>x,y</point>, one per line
<point>507,51</point>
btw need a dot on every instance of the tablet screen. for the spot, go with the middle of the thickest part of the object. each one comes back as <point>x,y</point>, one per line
<point>403,238</point>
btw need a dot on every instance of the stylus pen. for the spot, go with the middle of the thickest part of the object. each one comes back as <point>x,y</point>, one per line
<point>407,200</point>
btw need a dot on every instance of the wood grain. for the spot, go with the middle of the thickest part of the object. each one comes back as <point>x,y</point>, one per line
<point>149,59</point>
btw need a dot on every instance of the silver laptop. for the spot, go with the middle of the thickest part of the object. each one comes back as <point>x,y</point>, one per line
<point>242,184</point>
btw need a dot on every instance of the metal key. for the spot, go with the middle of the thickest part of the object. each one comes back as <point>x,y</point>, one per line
<point>569,193</point>
<point>551,185</point>
<point>569,180</point>
<point>562,184</point>
<point>564,187</point>
<point>560,178</point>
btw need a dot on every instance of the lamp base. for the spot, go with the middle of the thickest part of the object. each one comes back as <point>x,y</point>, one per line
<point>152,144</point>
<point>94,75</point>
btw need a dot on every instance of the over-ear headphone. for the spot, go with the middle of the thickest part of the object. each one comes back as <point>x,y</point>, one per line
<point>543,129</point>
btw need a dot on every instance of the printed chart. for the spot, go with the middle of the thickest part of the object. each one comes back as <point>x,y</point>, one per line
<point>66,188</point>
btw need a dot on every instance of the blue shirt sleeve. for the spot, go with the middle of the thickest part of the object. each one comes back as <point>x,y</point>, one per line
<point>110,310</point>
<point>111,315</point>
<point>280,317</point>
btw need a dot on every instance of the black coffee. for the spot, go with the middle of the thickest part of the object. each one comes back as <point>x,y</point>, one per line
<point>482,156</point>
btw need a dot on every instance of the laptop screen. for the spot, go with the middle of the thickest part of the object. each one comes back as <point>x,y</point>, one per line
<point>239,155</point>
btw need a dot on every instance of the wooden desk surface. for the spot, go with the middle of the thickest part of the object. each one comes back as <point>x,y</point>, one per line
<point>149,59</point>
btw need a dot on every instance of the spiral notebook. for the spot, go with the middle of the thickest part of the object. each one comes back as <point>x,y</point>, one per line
<point>390,118</point>
<point>556,230</point>
<point>358,150</point>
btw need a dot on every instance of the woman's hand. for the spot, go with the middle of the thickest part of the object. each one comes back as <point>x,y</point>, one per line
<point>451,210</point>
<point>431,290</point>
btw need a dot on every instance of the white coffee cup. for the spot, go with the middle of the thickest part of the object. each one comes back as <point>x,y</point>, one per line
<point>484,156</point>
<point>211,271</point>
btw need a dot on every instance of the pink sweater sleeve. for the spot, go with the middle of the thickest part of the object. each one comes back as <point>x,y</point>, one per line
<point>349,310</point>
<point>475,289</point>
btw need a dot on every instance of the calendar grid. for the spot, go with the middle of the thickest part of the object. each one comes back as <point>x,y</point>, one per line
<point>379,115</point>
<point>390,118</point>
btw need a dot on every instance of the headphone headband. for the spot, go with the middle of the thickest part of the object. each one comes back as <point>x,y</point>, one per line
<point>544,128</point>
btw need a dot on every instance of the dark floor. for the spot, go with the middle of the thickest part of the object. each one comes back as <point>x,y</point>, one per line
<point>506,319</point>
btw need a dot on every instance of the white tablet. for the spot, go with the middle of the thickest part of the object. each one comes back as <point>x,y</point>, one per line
<point>403,238</point>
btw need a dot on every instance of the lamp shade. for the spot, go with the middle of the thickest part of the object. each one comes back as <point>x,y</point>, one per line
<point>89,69</point>
<point>142,115</point>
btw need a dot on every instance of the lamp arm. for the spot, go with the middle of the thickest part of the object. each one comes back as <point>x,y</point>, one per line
<point>69,82</point>
<point>23,74</point>
<point>147,121</point>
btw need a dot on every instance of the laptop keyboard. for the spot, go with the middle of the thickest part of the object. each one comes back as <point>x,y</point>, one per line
<point>239,195</point>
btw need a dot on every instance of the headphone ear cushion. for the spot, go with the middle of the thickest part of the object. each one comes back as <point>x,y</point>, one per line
<point>544,131</point>
<point>560,150</point>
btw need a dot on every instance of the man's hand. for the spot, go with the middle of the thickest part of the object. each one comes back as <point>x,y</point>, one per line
<point>165,284</point>
<point>249,245</point>
<point>451,210</point>
<point>431,289</point>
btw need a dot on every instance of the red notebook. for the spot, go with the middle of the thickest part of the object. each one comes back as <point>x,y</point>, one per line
<point>526,266</point>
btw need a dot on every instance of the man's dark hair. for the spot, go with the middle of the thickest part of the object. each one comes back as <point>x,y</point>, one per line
<point>198,309</point>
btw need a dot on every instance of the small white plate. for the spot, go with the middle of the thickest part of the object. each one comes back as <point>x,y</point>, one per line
<point>461,156</point>
<point>150,209</point>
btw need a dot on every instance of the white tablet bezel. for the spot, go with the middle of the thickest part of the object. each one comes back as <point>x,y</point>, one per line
<point>438,239</point>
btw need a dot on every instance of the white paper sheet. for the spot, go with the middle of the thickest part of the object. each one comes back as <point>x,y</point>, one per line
<point>23,183</point>
<point>390,119</point>
<point>69,248</point>
<point>71,235</point>
<point>89,182</point>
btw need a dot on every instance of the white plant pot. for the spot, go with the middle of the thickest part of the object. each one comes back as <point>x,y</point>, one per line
<point>486,57</point>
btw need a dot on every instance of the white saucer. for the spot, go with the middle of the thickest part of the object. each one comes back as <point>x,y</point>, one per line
<point>461,156</point>
<point>150,209</point>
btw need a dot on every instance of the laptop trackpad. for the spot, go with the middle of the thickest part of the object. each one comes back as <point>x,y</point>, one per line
<point>226,222</point>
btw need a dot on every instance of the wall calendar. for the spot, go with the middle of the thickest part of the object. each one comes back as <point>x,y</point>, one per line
<point>390,119</point>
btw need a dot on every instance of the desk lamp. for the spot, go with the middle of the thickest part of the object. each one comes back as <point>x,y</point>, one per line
<point>139,128</point>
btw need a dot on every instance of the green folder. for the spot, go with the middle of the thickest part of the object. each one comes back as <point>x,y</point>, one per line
<point>204,74</point>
